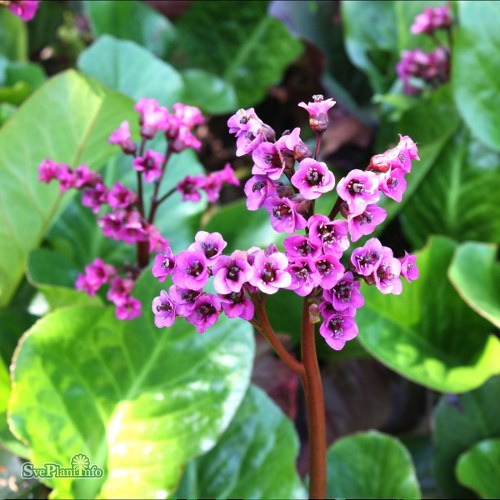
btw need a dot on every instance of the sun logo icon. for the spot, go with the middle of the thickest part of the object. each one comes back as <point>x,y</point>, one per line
<point>80,463</point>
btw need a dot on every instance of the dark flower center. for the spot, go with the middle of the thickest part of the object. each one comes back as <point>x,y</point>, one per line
<point>164,306</point>
<point>235,297</point>
<point>272,160</point>
<point>343,291</point>
<point>314,177</point>
<point>324,267</point>
<point>189,296</point>
<point>233,272</point>
<point>304,249</point>
<point>207,310</point>
<point>167,263</point>
<point>209,249</point>
<point>355,187</point>
<point>336,328</point>
<point>195,269</point>
<point>257,186</point>
<point>281,211</point>
<point>326,233</point>
<point>268,274</point>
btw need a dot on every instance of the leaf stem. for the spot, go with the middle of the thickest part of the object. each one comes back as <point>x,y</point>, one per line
<point>154,202</point>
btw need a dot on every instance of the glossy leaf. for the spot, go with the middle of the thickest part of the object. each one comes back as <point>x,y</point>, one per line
<point>255,457</point>
<point>132,70</point>
<point>434,339</point>
<point>209,92</point>
<point>476,81</point>
<point>371,40</point>
<point>452,199</point>
<point>475,273</point>
<point>370,465</point>
<point>131,20</point>
<point>479,468</point>
<point>138,401</point>
<point>79,116</point>
<point>249,49</point>
<point>13,36</point>
<point>460,423</point>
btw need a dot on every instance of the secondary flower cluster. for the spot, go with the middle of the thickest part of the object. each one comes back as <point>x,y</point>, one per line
<point>25,9</point>
<point>125,218</point>
<point>417,68</point>
<point>286,181</point>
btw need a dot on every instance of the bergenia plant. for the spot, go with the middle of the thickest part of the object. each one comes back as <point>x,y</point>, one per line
<point>287,179</point>
<point>418,69</point>
<point>25,9</point>
<point>124,214</point>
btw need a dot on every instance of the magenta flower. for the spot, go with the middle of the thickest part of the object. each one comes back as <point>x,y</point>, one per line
<point>183,299</point>
<point>329,269</point>
<point>268,161</point>
<point>83,176</point>
<point>190,270</point>
<point>210,244</point>
<point>257,189</point>
<point>128,309</point>
<point>95,197</point>
<point>359,189</point>
<point>345,294</point>
<point>242,121</point>
<point>152,117</point>
<point>331,235</point>
<point>305,276</point>
<point>164,310</point>
<point>164,265</point>
<point>297,246</point>
<point>298,149</point>
<point>366,259</point>
<point>190,187</point>
<point>393,184</point>
<point>313,178</point>
<point>96,275</point>
<point>407,144</point>
<point>150,164</point>
<point>121,197</point>
<point>337,329</point>
<point>205,312</point>
<point>432,19</point>
<point>231,273</point>
<point>409,269</point>
<point>387,274</point>
<point>270,272</point>
<point>157,243</point>
<point>190,116</point>
<point>180,136</point>
<point>122,137</point>
<point>133,229</point>
<point>214,182</point>
<point>318,112</point>
<point>120,290</point>
<point>237,305</point>
<point>65,177</point>
<point>285,217</point>
<point>366,222</point>
<point>25,9</point>
<point>111,224</point>
<point>48,170</point>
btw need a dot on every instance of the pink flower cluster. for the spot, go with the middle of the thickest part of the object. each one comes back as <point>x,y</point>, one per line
<point>99,274</point>
<point>125,218</point>
<point>286,182</point>
<point>25,9</point>
<point>418,69</point>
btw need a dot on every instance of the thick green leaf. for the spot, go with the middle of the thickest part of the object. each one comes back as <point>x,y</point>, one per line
<point>371,40</point>
<point>370,465</point>
<point>68,120</point>
<point>209,92</point>
<point>452,199</point>
<point>244,46</point>
<point>434,339</point>
<point>476,81</point>
<point>460,423</point>
<point>131,20</point>
<point>139,401</point>
<point>479,468</point>
<point>255,458</point>
<point>475,273</point>
<point>132,70</point>
<point>13,37</point>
